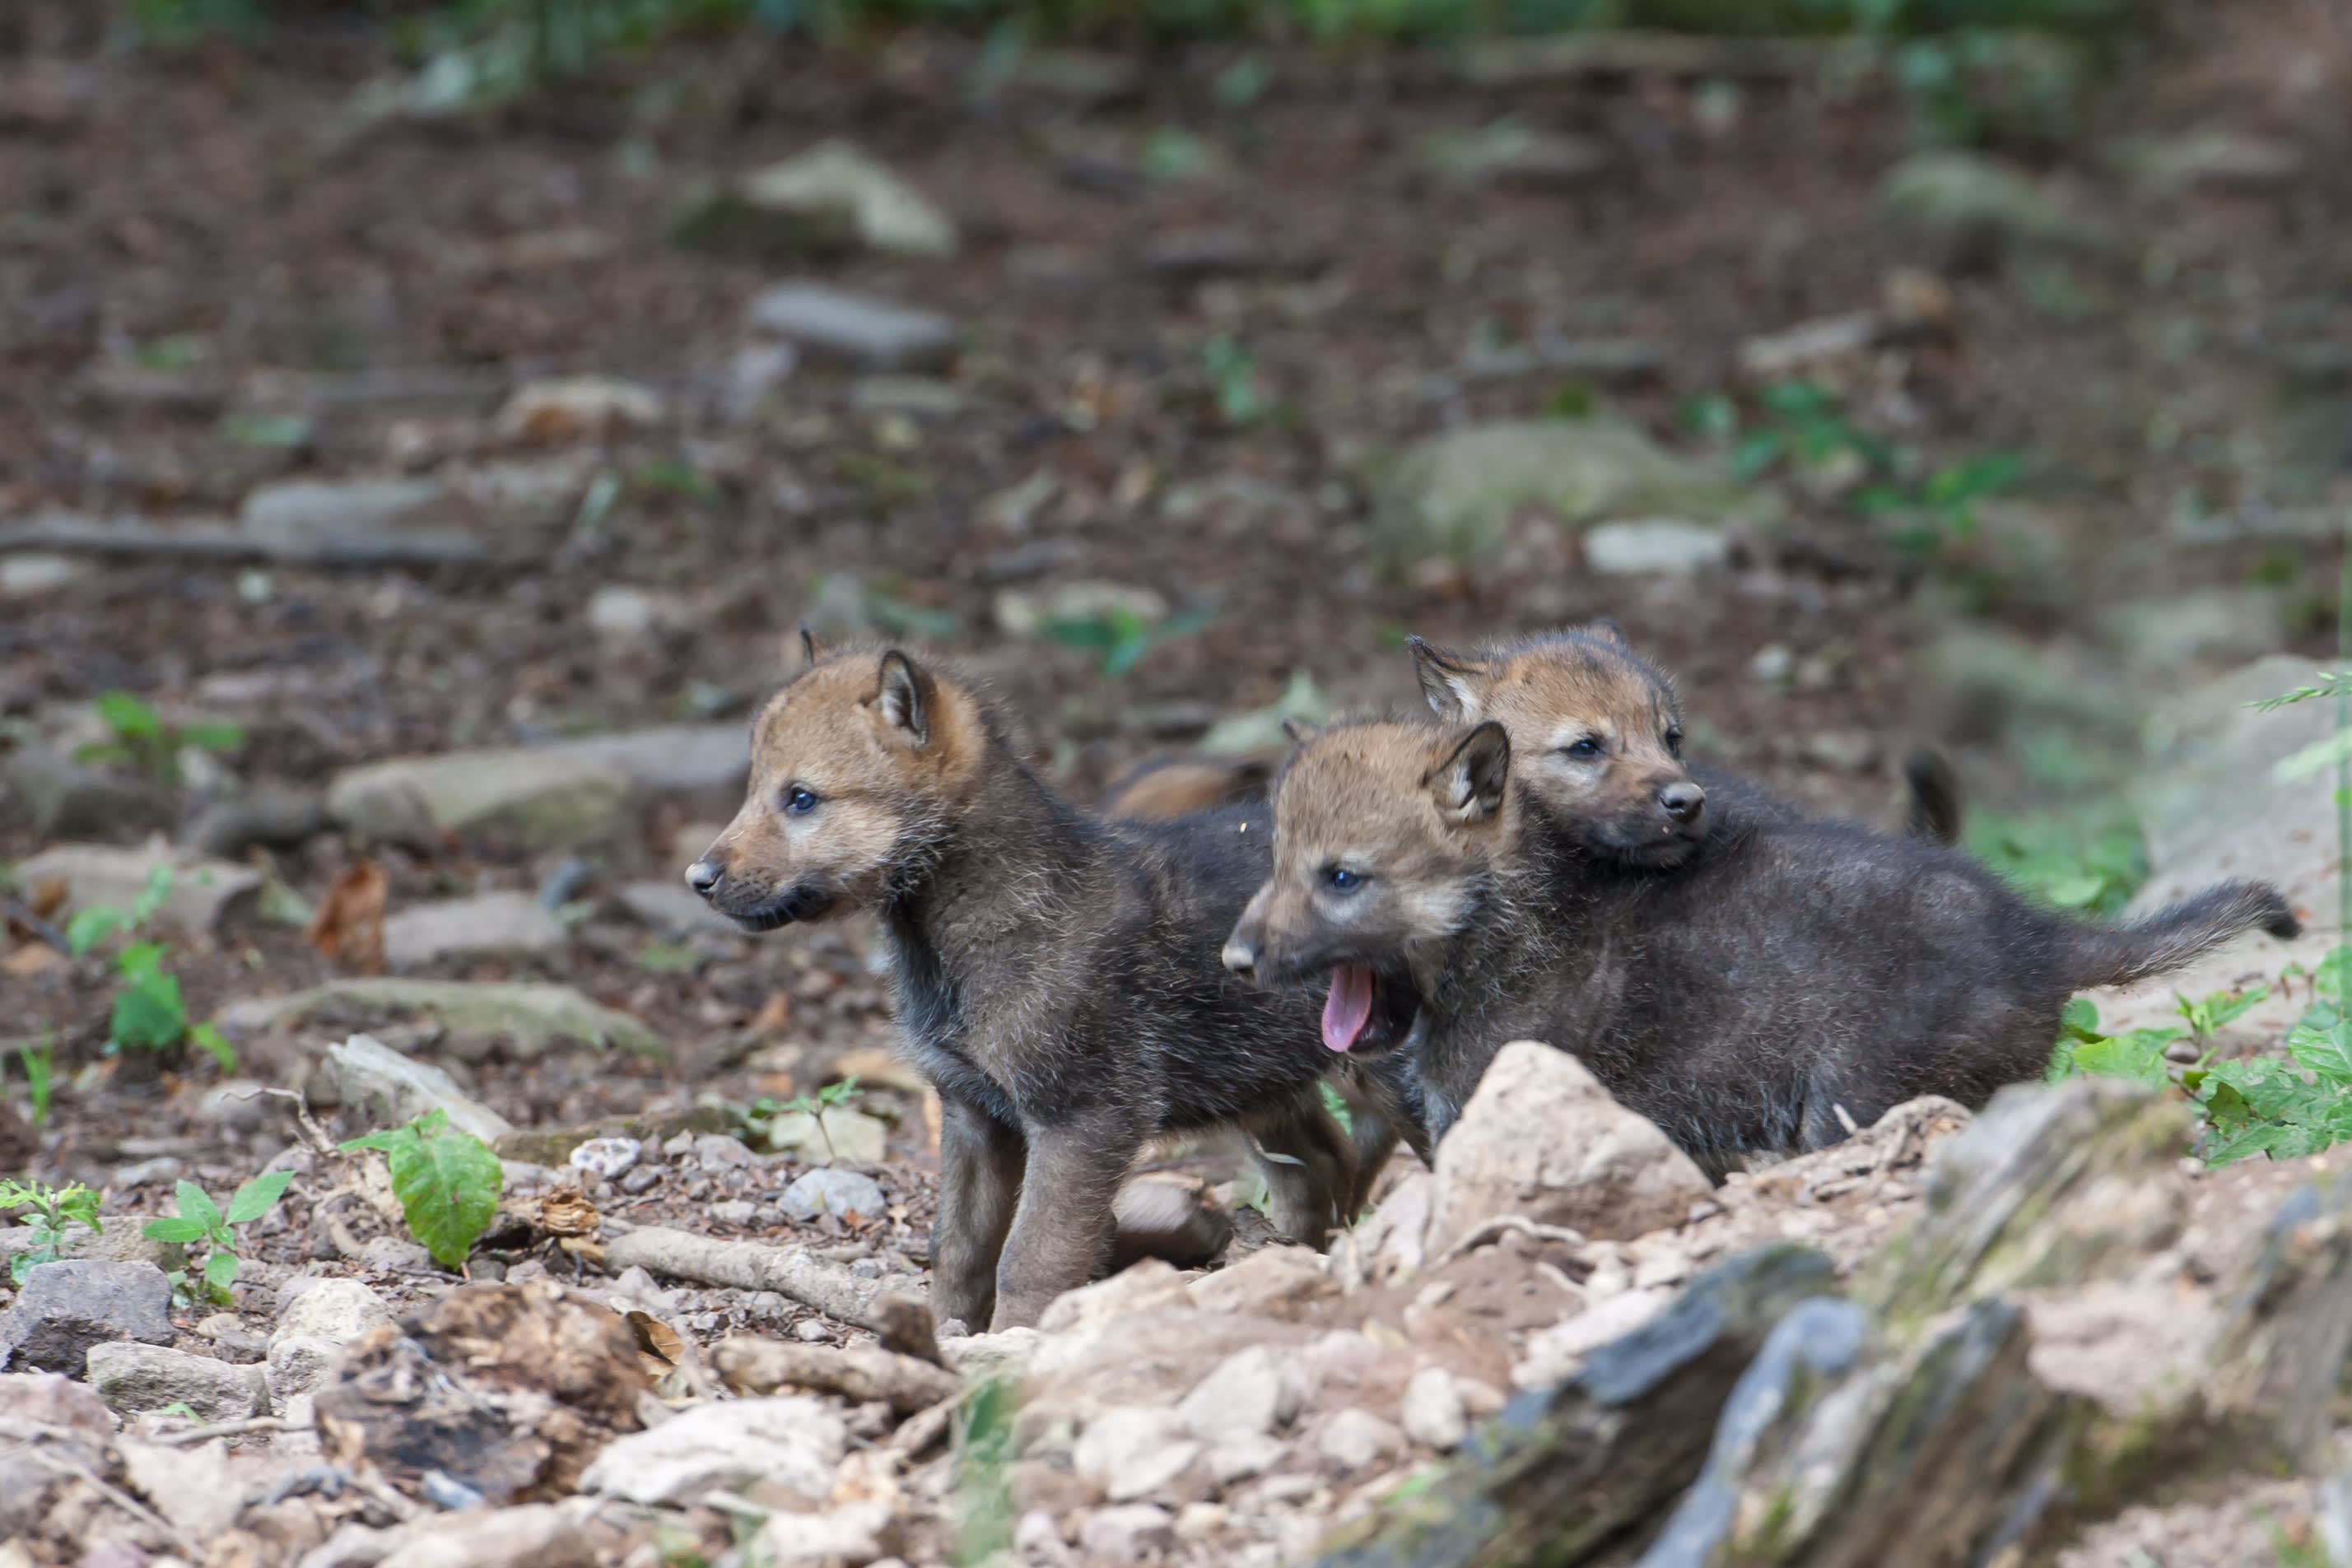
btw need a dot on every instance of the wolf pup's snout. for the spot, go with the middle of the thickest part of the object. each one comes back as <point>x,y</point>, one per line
<point>704,876</point>
<point>1684,802</point>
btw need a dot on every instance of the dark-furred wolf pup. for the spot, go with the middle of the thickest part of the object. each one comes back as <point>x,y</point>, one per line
<point>1056,975</point>
<point>1790,981</point>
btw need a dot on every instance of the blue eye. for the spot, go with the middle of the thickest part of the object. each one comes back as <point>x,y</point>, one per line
<point>799,802</point>
<point>1583,750</point>
<point>1342,880</point>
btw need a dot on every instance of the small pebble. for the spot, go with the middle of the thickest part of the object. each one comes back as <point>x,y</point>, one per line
<point>642,1179</point>
<point>735,1211</point>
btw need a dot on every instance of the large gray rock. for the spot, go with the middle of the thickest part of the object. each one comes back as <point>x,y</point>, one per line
<point>67,1308</point>
<point>791,1441</point>
<point>853,329</point>
<point>487,923</point>
<point>2214,806</point>
<point>529,1015</point>
<point>826,1190</point>
<point>1454,494</point>
<point>100,875</point>
<point>1542,1138</point>
<point>136,1378</point>
<point>338,1311</point>
<point>829,199</point>
<point>387,1088</point>
<point>1964,209</point>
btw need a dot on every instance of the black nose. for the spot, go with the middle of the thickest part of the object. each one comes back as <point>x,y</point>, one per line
<point>1682,802</point>
<point>704,876</point>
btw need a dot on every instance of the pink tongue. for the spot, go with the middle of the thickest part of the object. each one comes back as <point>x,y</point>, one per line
<point>1348,1008</point>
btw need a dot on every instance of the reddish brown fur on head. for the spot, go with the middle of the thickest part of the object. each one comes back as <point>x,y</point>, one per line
<point>1597,730</point>
<point>855,765</point>
<point>1383,832</point>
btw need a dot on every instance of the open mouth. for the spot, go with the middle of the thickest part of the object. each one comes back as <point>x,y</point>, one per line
<point>1367,1013</point>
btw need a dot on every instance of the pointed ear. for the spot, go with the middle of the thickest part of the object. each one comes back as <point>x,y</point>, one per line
<point>1603,630</point>
<point>1470,782</point>
<point>906,696</point>
<point>811,649</point>
<point>1300,731</point>
<point>1453,684</point>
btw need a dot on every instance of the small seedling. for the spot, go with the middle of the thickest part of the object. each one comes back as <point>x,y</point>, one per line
<point>53,1209</point>
<point>1233,376</point>
<point>142,740</point>
<point>201,1220</point>
<point>88,927</point>
<point>832,1097</point>
<point>2208,1015</point>
<point>447,1182</point>
<point>40,1067</point>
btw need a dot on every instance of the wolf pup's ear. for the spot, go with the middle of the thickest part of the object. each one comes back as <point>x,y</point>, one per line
<point>1300,732</point>
<point>811,649</point>
<point>906,696</point>
<point>1453,684</point>
<point>1470,782</point>
<point>1603,630</point>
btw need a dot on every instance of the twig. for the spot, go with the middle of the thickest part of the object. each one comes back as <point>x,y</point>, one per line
<point>859,1373</point>
<point>312,1134</point>
<point>221,1429</point>
<point>748,1266</point>
<point>1495,1228</point>
<point>226,542</point>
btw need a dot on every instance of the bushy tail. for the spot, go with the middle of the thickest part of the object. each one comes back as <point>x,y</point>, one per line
<point>1932,809</point>
<point>2119,955</point>
<point>1164,790</point>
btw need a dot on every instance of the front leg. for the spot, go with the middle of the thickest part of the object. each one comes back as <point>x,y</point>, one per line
<point>979,1180</point>
<point>1061,1231</point>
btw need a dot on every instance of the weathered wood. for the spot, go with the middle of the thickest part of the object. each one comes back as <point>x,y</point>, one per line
<point>750,1266</point>
<point>750,1364</point>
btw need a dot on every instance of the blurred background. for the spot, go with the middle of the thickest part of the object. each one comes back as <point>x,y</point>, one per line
<point>424,425</point>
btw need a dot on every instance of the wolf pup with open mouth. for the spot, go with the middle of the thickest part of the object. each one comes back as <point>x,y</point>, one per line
<point>1056,975</point>
<point>1792,983</point>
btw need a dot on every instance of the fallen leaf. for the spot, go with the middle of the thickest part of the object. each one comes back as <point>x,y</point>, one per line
<point>657,1339</point>
<point>34,958</point>
<point>776,1085</point>
<point>568,1213</point>
<point>775,1014</point>
<point>349,926</point>
<point>46,898</point>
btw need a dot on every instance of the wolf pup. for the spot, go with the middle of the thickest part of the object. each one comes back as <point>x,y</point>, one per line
<point>1599,737</point>
<point>1789,984</point>
<point>1056,975</point>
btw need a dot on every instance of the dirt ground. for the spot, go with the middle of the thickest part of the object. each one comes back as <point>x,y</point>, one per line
<point>182,241</point>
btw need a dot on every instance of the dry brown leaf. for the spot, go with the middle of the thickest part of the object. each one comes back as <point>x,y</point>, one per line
<point>657,1340</point>
<point>775,1014</point>
<point>34,958</point>
<point>776,1085</point>
<point>567,1213</point>
<point>46,898</point>
<point>349,926</point>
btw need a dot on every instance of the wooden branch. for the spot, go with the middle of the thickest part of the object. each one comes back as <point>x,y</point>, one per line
<point>750,1364</point>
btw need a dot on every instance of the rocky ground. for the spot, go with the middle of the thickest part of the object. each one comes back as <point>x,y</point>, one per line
<point>447,491</point>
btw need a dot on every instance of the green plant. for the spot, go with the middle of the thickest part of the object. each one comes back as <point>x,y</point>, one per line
<point>2082,1049</point>
<point>40,1063</point>
<point>1231,371</point>
<point>831,1097</point>
<point>983,1462</point>
<point>2208,1015</point>
<point>447,1182</point>
<point>1122,636</point>
<point>150,1013</point>
<point>91,926</point>
<point>53,1209</point>
<point>201,1220</point>
<point>142,740</point>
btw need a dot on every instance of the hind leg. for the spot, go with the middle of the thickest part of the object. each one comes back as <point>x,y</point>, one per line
<point>1309,1166</point>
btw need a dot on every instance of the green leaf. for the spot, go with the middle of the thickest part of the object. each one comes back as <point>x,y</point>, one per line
<point>149,1012</point>
<point>2321,1044</point>
<point>88,927</point>
<point>2137,1057</point>
<point>150,898</point>
<point>258,1196</point>
<point>2221,1008</point>
<point>78,1202</point>
<point>129,717</point>
<point>2080,1016</point>
<point>195,1205</point>
<point>180,1231</point>
<point>216,1044</point>
<point>220,1270</point>
<point>212,737</point>
<point>447,1182</point>
<point>1756,453</point>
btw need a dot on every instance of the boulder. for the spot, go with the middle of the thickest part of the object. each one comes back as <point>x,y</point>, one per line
<point>66,1309</point>
<point>136,1378</point>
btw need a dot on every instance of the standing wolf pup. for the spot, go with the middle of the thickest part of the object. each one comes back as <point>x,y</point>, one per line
<point>1056,975</point>
<point>1792,981</point>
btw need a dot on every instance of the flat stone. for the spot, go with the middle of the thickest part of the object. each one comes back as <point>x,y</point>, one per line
<point>887,213</point>
<point>1653,545</point>
<point>136,1378</point>
<point>291,511</point>
<point>1132,1532</point>
<point>1243,1397</point>
<point>487,923</point>
<point>529,1015</point>
<point>337,1311</point>
<point>537,1536</point>
<point>828,1190</point>
<point>792,1442</point>
<point>65,1309</point>
<point>853,329</point>
<point>190,1484</point>
<point>849,1135</point>
<point>387,1089</point>
<point>29,574</point>
<point>202,892</point>
<point>1134,1450</point>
